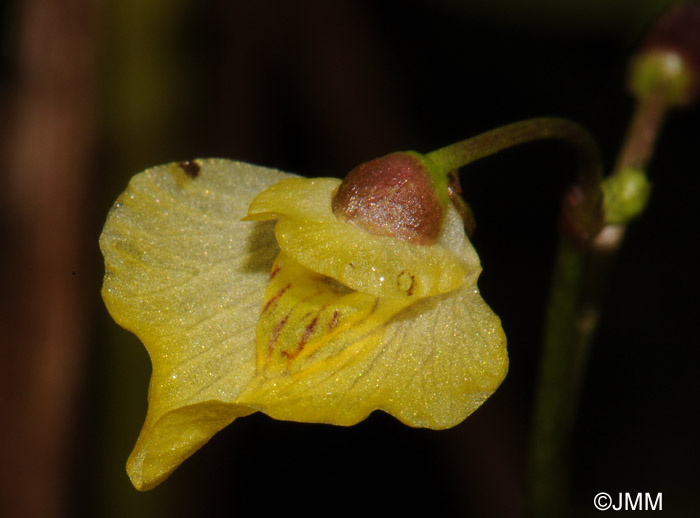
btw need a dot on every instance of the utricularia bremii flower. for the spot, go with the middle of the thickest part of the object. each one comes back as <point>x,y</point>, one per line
<point>310,300</point>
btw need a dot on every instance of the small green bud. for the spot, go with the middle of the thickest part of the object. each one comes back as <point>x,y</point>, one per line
<point>662,72</point>
<point>625,195</point>
<point>668,63</point>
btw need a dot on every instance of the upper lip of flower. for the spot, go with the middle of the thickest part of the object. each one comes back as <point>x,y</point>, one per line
<point>308,231</point>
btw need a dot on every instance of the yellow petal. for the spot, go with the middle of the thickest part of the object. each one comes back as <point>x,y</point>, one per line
<point>429,362</point>
<point>303,312</point>
<point>382,266</point>
<point>187,276</point>
<point>431,365</point>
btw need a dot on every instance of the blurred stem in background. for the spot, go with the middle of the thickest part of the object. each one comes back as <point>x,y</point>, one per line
<point>664,74</point>
<point>47,156</point>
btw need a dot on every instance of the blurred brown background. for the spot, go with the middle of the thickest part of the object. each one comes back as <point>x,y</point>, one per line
<point>91,92</point>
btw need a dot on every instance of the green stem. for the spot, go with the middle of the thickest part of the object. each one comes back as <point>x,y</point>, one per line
<point>636,152</point>
<point>578,286</point>
<point>554,412</point>
<point>560,369</point>
<point>457,155</point>
<point>642,133</point>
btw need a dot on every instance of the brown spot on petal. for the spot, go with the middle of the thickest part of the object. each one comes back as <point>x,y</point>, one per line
<point>191,168</point>
<point>406,282</point>
<point>334,320</point>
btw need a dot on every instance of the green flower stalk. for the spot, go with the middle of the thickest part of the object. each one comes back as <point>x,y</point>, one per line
<point>664,74</point>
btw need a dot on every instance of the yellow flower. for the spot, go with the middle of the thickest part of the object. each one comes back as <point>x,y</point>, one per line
<point>308,319</point>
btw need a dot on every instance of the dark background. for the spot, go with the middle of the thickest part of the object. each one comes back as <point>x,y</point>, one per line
<point>93,92</point>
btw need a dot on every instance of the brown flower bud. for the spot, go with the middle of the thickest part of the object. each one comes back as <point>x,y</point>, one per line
<point>395,196</point>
